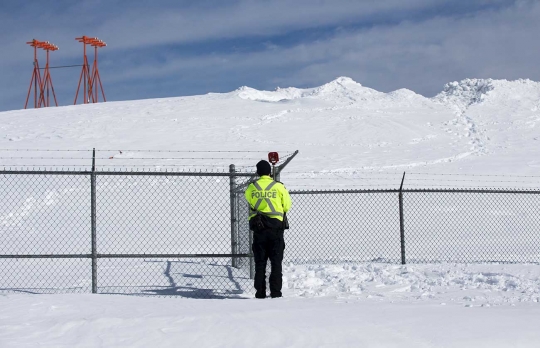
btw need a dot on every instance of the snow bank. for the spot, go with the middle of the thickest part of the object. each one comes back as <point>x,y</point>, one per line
<point>464,93</point>
<point>280,94</point>
<point>468,92</point>
<point>464,284</point>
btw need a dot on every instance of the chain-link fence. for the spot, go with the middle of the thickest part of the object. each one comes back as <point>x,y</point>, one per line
<point>124,232</point>
<point>414,226</point>
<point>343,226</point>
<point>472,226</point>
<point>186,234</point>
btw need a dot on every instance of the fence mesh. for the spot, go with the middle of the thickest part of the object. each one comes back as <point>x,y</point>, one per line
<point>163,214</point>
<point>44,214</point>
<point>343,227</point>
<point>155,234</point>
<point>45,276</point>
<point>187,234</point>
<point>472,226</point>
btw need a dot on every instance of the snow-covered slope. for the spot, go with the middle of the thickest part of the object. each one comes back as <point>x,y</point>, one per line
<point>343,128</point>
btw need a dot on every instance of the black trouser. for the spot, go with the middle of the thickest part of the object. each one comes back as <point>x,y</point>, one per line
<point>268,244</point>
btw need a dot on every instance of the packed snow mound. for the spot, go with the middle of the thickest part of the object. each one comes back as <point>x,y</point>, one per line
<point>345,89</point>
<point>465,93</point>
<point>280,94</point>
<point>406,95</point>
<point>469,92</point>
<point>523,91</point>
<point>342,89</point>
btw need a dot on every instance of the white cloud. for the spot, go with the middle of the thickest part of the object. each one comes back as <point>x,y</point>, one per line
<point>139,25</point>
<point>420,56</point>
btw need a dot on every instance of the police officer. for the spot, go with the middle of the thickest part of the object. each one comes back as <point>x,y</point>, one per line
<point>269,200</point>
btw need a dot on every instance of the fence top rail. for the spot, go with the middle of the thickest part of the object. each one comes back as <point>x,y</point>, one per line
<point>459,190</point>
<point>46,172</point>
<point>345,191</point>
<point>322,192</point>
<point>143,173</point>
<point>126,173</point>
<point>119,256</point>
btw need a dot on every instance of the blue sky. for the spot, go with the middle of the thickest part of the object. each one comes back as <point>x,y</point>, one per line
<point>174,48</point>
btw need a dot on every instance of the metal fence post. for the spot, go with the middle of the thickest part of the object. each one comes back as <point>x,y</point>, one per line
<point>93,221</point>
<point>234,220</point>
<point>401,225</point>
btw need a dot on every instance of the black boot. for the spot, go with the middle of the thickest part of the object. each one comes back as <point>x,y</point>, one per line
<point>260,294</point>
<point>276,294</point>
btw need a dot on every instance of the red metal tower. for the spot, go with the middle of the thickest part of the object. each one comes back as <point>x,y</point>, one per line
<point>36,75</point>
<point>95,71</point>
<point>43,84</point>
<point>90,78</point>
<point>47,86</point>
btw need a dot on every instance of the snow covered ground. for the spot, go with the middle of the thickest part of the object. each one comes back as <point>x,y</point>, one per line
<point>348,135</point>
<point>365,305</point>
<point>475,133</point>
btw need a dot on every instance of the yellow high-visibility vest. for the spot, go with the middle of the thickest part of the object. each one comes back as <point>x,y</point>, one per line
<point>268,197</point>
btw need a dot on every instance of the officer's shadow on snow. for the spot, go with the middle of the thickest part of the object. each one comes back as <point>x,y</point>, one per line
<point>200,280</point>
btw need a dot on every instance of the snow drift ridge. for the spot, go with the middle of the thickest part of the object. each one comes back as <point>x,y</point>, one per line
<point>460,94</point>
